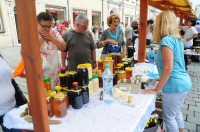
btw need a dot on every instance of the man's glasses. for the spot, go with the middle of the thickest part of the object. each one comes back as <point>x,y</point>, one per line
<point>45,26</point>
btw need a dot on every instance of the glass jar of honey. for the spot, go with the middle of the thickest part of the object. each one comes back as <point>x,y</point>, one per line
<point>85,94</point>
<point>71,77</point>
<point>47,83</point>
<point>76,96</point>
<point>128,72</point>
<point>59,105</point>
<point>49,101</point>
<point>82,75</point>
<point>63,79</point>
<point>100,64</point>
<point>121,65</point>
<point>110,62</point>
<point>121,75</point>
<point>119,58</point>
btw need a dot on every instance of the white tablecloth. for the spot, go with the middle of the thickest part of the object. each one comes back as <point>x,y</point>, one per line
<point>96,116</point>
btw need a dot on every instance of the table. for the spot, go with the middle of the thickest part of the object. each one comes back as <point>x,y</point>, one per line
<point>96,116</point>
<point>190,52</point>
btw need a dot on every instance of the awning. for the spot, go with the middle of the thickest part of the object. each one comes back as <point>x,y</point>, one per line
<point>182,8</point>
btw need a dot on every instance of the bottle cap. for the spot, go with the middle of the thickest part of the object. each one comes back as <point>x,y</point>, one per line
<point>47,79</point>
<point>75,83</point>
<point>88,65</point>
<point>63,70</point>
<point>151,48</point>
<point>107,66</point>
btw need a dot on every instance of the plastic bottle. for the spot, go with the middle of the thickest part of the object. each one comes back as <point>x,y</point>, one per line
<point>151,56</point>
<point>108,85</point>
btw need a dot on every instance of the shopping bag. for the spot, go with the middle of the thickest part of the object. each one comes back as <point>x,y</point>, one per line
<point>19,70</point>
<point>19,96</point>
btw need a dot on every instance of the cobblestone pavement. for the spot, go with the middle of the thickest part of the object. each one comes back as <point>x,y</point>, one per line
<point>191,109</point>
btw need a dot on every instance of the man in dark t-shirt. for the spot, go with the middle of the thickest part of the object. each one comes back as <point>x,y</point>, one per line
<point>80,45</point>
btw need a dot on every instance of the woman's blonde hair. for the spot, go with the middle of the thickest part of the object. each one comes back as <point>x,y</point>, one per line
<point>112,17</point>
<point>165,25</point>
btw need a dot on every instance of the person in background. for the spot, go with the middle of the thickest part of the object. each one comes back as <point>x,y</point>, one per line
<point>130,37</point>
<point>112,36</point>
<point>149,36</point>
<point>174,80</point>
<point>190,33</point>
<point>80,45</point>
<point>7,98</point>
<point>100,29</point>
<point>50,43</point>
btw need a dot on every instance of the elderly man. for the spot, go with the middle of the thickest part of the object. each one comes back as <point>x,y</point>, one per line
<point>80,45</point>
<point>131,32</point>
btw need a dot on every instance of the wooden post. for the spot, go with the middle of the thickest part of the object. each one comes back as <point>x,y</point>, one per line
<point>32,60</point>
<point>181,19</point>
<point>142,30</point>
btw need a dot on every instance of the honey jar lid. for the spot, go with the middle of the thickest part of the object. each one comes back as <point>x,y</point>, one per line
<point>100,60</point>
<point>71,72</point>
<point>121,71</point>
<point>62,74</point>
<point>59,95</point>
<point>88,65</point>
<point>128,68</point>
<point>120,65</point>
<point>81,66</point>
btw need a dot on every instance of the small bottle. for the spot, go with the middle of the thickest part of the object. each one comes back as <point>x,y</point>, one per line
<point>90,86</point>
<point>47,83</point>
<point>95,81</point>
<point>108,85</point>
<point>151,56</point>
<point>76,96</point>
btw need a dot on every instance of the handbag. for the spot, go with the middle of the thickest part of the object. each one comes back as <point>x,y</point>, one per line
<point>19,96</point>
<point>114,48</point>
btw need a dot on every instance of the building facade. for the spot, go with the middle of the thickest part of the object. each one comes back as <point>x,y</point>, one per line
<point>96,10</point>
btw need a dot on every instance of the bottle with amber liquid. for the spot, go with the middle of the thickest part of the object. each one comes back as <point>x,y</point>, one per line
<point>49,101</point>
<point>76,96</point>
<point>128,72</point>
<point>47,83</point>
<point>59,105</point>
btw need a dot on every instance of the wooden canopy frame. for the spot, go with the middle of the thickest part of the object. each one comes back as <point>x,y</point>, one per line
<point>31,52</point>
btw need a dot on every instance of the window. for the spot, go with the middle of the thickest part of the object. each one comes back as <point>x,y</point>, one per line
<point>1,23</point>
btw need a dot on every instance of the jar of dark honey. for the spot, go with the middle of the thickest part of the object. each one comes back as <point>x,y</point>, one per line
<point>76,96</point>
<point>85,94</point>
<point>71,77</point>
<point>82,75</point>
<point>63,79</point>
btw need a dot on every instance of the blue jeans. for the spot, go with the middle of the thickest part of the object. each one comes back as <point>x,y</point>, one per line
<point>6,129</point>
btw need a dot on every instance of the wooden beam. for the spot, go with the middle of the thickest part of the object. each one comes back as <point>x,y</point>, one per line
<point>26,16</point>
<point>142,30</point>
